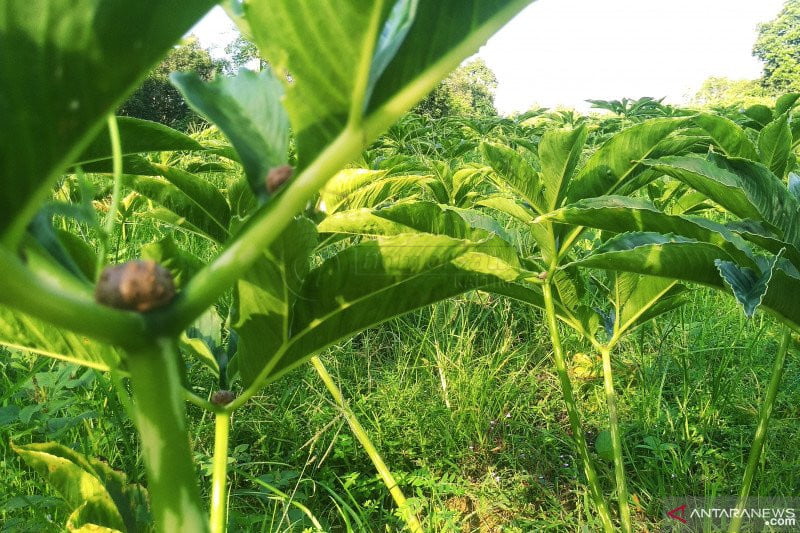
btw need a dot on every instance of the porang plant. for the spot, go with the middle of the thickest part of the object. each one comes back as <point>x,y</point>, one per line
<point>533,185</point>
<point>532,180</point>
<point>658,175</point>
<point>342,73</point>
<point>748,246</point>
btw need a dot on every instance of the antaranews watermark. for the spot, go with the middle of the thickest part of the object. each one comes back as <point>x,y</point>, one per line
<point>699,513</point>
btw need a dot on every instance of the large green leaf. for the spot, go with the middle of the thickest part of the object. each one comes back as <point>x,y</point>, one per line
<point>727,136</point>
<point>355,60</point>
<point>265,296</point>
<point>621,214</point>
<point>638,299</point>
<point>761,115</point>
<point>30,335</point>
<point>745,188</point>
<point>786,102</point>
<point>467,185</point>
<point>540,231</point>
<point>672,145</point>
<point>619,159</point>
<point>509,206</point>
<point>327,49</point>
<point>75,479</point>
<point>513,170</point>
<point>137,136</point>
<point>775,145</point>
<point>131,164</point>
<point>372,282</point>
<point>353,188</point>
<point>185,208</point>
<point>88,517</point>
<point>203,194</point>
<point>666,256</point>
<point>416,217</point>
<point>64,66</point>
<point>559,153</point>
<point>685,259</point>
<point>247,108</point>
<point>435,45</point>
<point>755,232</point>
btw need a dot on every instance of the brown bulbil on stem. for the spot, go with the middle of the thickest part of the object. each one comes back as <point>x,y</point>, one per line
<point>135,286</point>
<point>223,397</point>
<point>542,275</point>
<point>277,176</point>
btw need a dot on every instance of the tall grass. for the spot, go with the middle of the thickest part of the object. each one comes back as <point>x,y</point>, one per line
<point>462,403</point>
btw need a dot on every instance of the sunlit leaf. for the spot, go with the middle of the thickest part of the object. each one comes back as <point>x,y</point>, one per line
<point>621,214</point>
<point>26,334</point>
<point>745,188</point>
<point>372,282</point>
<point>515,171</point>
<point>775,145</point>
<point>619,159</point>
<point>137,136</point>
<point>184,207</point>
<point>727,136</point>
<point>76,480</point>
<point>559,153</point>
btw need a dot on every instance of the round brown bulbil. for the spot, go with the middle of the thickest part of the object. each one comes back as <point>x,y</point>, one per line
<point>277,176</point>
<point>135,286</point>
<point>222,397</point>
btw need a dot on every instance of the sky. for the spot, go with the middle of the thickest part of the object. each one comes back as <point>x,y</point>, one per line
<point>558,53</point>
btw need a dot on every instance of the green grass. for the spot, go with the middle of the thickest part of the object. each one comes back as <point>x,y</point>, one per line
<point>462,402</point>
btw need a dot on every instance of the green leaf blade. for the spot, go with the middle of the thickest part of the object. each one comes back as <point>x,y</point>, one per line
<point>248,110</point>
<point>619,160</point>
<point>72,61</point>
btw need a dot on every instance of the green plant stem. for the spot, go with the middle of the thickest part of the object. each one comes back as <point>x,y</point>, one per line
<point>203,403</point>
<point>111,217</point>
<point>159,415</point>
<point>616,440</point>
<point>51,300</point>
<point>358,430</point>
<point>761,428</point>
<point>219,504</point>
<point>572,411</point>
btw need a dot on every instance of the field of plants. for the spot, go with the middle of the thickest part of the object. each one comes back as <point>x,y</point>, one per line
<point>324,307</point>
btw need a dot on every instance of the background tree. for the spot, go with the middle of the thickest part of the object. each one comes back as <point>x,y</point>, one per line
<point>467,91</point>
<point>778,46</point>
<point>242,52</point>
<point>721,92</point>
<point>158,100</point>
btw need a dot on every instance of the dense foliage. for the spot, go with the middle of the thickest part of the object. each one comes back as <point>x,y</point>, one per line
<point>778,46</point>
<point>314,220</point>
<point>467,91</point>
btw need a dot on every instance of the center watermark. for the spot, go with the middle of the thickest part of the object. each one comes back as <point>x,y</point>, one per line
<point>699,513</point>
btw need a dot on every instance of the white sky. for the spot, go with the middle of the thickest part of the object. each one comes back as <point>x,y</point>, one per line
<point>561,52</point>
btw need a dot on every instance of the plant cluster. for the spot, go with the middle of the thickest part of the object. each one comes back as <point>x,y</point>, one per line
<point>312,238</point>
